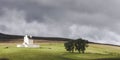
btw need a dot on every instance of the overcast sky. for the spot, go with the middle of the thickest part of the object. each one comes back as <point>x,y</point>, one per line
<point>94,20</point>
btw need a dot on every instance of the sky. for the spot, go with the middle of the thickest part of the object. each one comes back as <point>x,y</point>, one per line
<point>93,20</point>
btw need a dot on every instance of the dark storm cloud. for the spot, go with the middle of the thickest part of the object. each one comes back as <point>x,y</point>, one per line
<point>58,10</point>
<point>95,20</point>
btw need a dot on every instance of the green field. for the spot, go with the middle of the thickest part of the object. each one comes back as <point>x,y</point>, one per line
<point>56,51</point>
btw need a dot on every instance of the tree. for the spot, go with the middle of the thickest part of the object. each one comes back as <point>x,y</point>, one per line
<point>79,44</point>
<point>69,46</point>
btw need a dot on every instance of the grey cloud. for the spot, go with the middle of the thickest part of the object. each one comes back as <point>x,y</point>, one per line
<point>95,20</point>
<point>3,27</point>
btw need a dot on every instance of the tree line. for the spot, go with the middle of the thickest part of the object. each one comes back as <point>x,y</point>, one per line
<point>76,45</point>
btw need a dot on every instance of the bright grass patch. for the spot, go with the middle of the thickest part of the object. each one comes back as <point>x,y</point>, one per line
<point>56,51</point>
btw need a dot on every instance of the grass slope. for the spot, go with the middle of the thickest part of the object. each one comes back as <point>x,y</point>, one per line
<point>56,51</point>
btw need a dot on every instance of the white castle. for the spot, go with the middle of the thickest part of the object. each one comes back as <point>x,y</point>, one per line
<point>28,42</point>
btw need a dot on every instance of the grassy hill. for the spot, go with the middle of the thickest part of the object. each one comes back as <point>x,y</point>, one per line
<point>56,51</point>
<point>51,50</point>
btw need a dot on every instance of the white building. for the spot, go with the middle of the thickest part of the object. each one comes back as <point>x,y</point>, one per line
<point>28,42</point>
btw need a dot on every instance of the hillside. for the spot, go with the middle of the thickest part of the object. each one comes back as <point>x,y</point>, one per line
<point>8,37</point>
<point>56,51</point>
<point>50,50</point>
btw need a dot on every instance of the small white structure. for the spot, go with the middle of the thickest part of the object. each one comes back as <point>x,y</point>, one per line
<point>28,42</point>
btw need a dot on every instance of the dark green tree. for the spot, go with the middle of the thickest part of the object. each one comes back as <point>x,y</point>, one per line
<point>79,44</point>
<point>69,46</point>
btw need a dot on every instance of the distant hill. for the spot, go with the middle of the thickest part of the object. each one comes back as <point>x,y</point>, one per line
<point>9,37</point>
